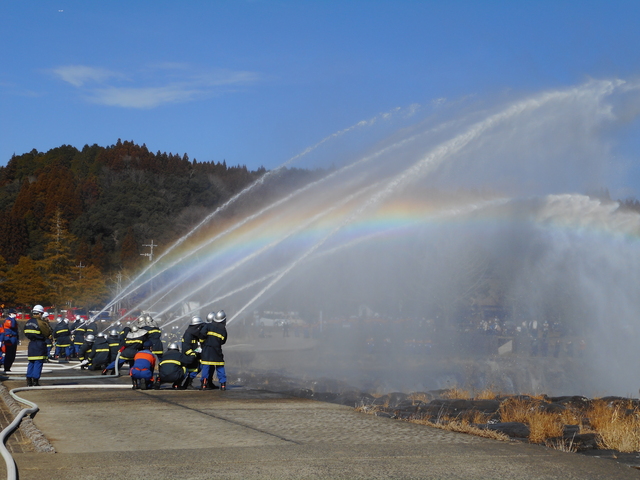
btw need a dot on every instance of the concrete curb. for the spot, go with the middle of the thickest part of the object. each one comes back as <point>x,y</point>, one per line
<point>29,430</point>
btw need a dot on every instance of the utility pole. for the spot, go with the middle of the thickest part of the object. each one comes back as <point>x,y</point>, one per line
<point>118,305</point>
<point>150,254</point>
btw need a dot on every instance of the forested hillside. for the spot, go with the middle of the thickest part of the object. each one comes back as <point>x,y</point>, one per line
<point>73,219</point>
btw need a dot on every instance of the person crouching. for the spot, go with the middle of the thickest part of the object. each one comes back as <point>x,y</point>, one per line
<point>173,367</point>
<point>144,363</point>
<point>98,356</point>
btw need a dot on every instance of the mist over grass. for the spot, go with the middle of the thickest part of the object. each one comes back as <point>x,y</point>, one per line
<point>433,220</point>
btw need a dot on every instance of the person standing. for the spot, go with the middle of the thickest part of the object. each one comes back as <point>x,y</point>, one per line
<point>37,330</point>
<point>78,330</point>
<point>10,342</point>
<point>91,327</point>
<point>62,337</point>
<point>154,334</point>
<point>191,344</point>
<point>214,335</point>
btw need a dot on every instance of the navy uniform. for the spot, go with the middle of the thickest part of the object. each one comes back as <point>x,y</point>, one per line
<point>99,356</point>
<point>62,337</point>
<point>91,328</point>
<point>132,343</point>
<point>37,330</point>
<point>173,367</point>
<point>78,330</point>
<point>10,340</point>
<point>154,335</point>
<point>214,335</point>
<point>191,344</point>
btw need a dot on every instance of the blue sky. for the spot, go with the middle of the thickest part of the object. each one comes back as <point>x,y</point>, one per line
<point>256,82</point>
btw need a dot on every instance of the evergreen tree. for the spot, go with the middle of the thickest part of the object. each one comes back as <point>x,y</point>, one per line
<point>58,263</point>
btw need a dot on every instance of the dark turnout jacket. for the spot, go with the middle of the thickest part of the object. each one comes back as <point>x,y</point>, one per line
<point>173,366</point>
<point>99,356</point>
<point>214,335</point>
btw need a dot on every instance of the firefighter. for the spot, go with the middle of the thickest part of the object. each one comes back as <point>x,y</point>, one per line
<point>191,344</point>
<point>91,327</point>
<point>99,354</point>
<point>62,337</point>
<point>131,344</point>
<point>144,363</point>
<point>78,331</point>
<point>50,343</point>
<point>37,330</point>
<point>114,346</point>
<point>154,334</point>
<point>10,341</point>
<point>173,367</point>
<point>214,335</point>
<point>85,348</point>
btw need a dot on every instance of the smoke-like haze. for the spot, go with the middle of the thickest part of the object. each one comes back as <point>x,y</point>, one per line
<point>413,263</point>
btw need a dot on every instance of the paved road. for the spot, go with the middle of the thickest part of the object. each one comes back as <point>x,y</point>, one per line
<point>247,434</point>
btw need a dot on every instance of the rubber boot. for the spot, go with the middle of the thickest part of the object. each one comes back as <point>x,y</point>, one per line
<point>204,384</point>
<point>29,382</point>
<point>134,384</point>
<point>223,386</point>
<point>36,382</point>
<point>211,385</point>
<point>143,384</point>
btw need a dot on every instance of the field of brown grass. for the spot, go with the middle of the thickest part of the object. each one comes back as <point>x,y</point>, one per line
<point>615,422</point>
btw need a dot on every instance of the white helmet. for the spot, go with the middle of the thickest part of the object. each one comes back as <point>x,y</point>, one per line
<point>173,346</point>
<point>59,320</point>
<point>220,316</point>
<point>78,317</point>
<point>196,320</point>
<point>38,309</point>
<point>211,317</point>
<point>90,338</point>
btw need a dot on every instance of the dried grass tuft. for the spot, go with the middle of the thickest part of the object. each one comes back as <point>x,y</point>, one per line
<point>486,394</point>
<point>456,393</point>
<point>543,426</point>
<point>618,426</point>
<point>464,427</point>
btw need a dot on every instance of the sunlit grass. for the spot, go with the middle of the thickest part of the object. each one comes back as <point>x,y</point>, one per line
<point>463,427</point>
<point>616,424</point>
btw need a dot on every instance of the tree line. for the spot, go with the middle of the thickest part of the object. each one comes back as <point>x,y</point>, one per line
<point>74,219</point>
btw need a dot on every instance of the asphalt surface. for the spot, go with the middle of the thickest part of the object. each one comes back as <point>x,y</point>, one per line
<point>247,434</point>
